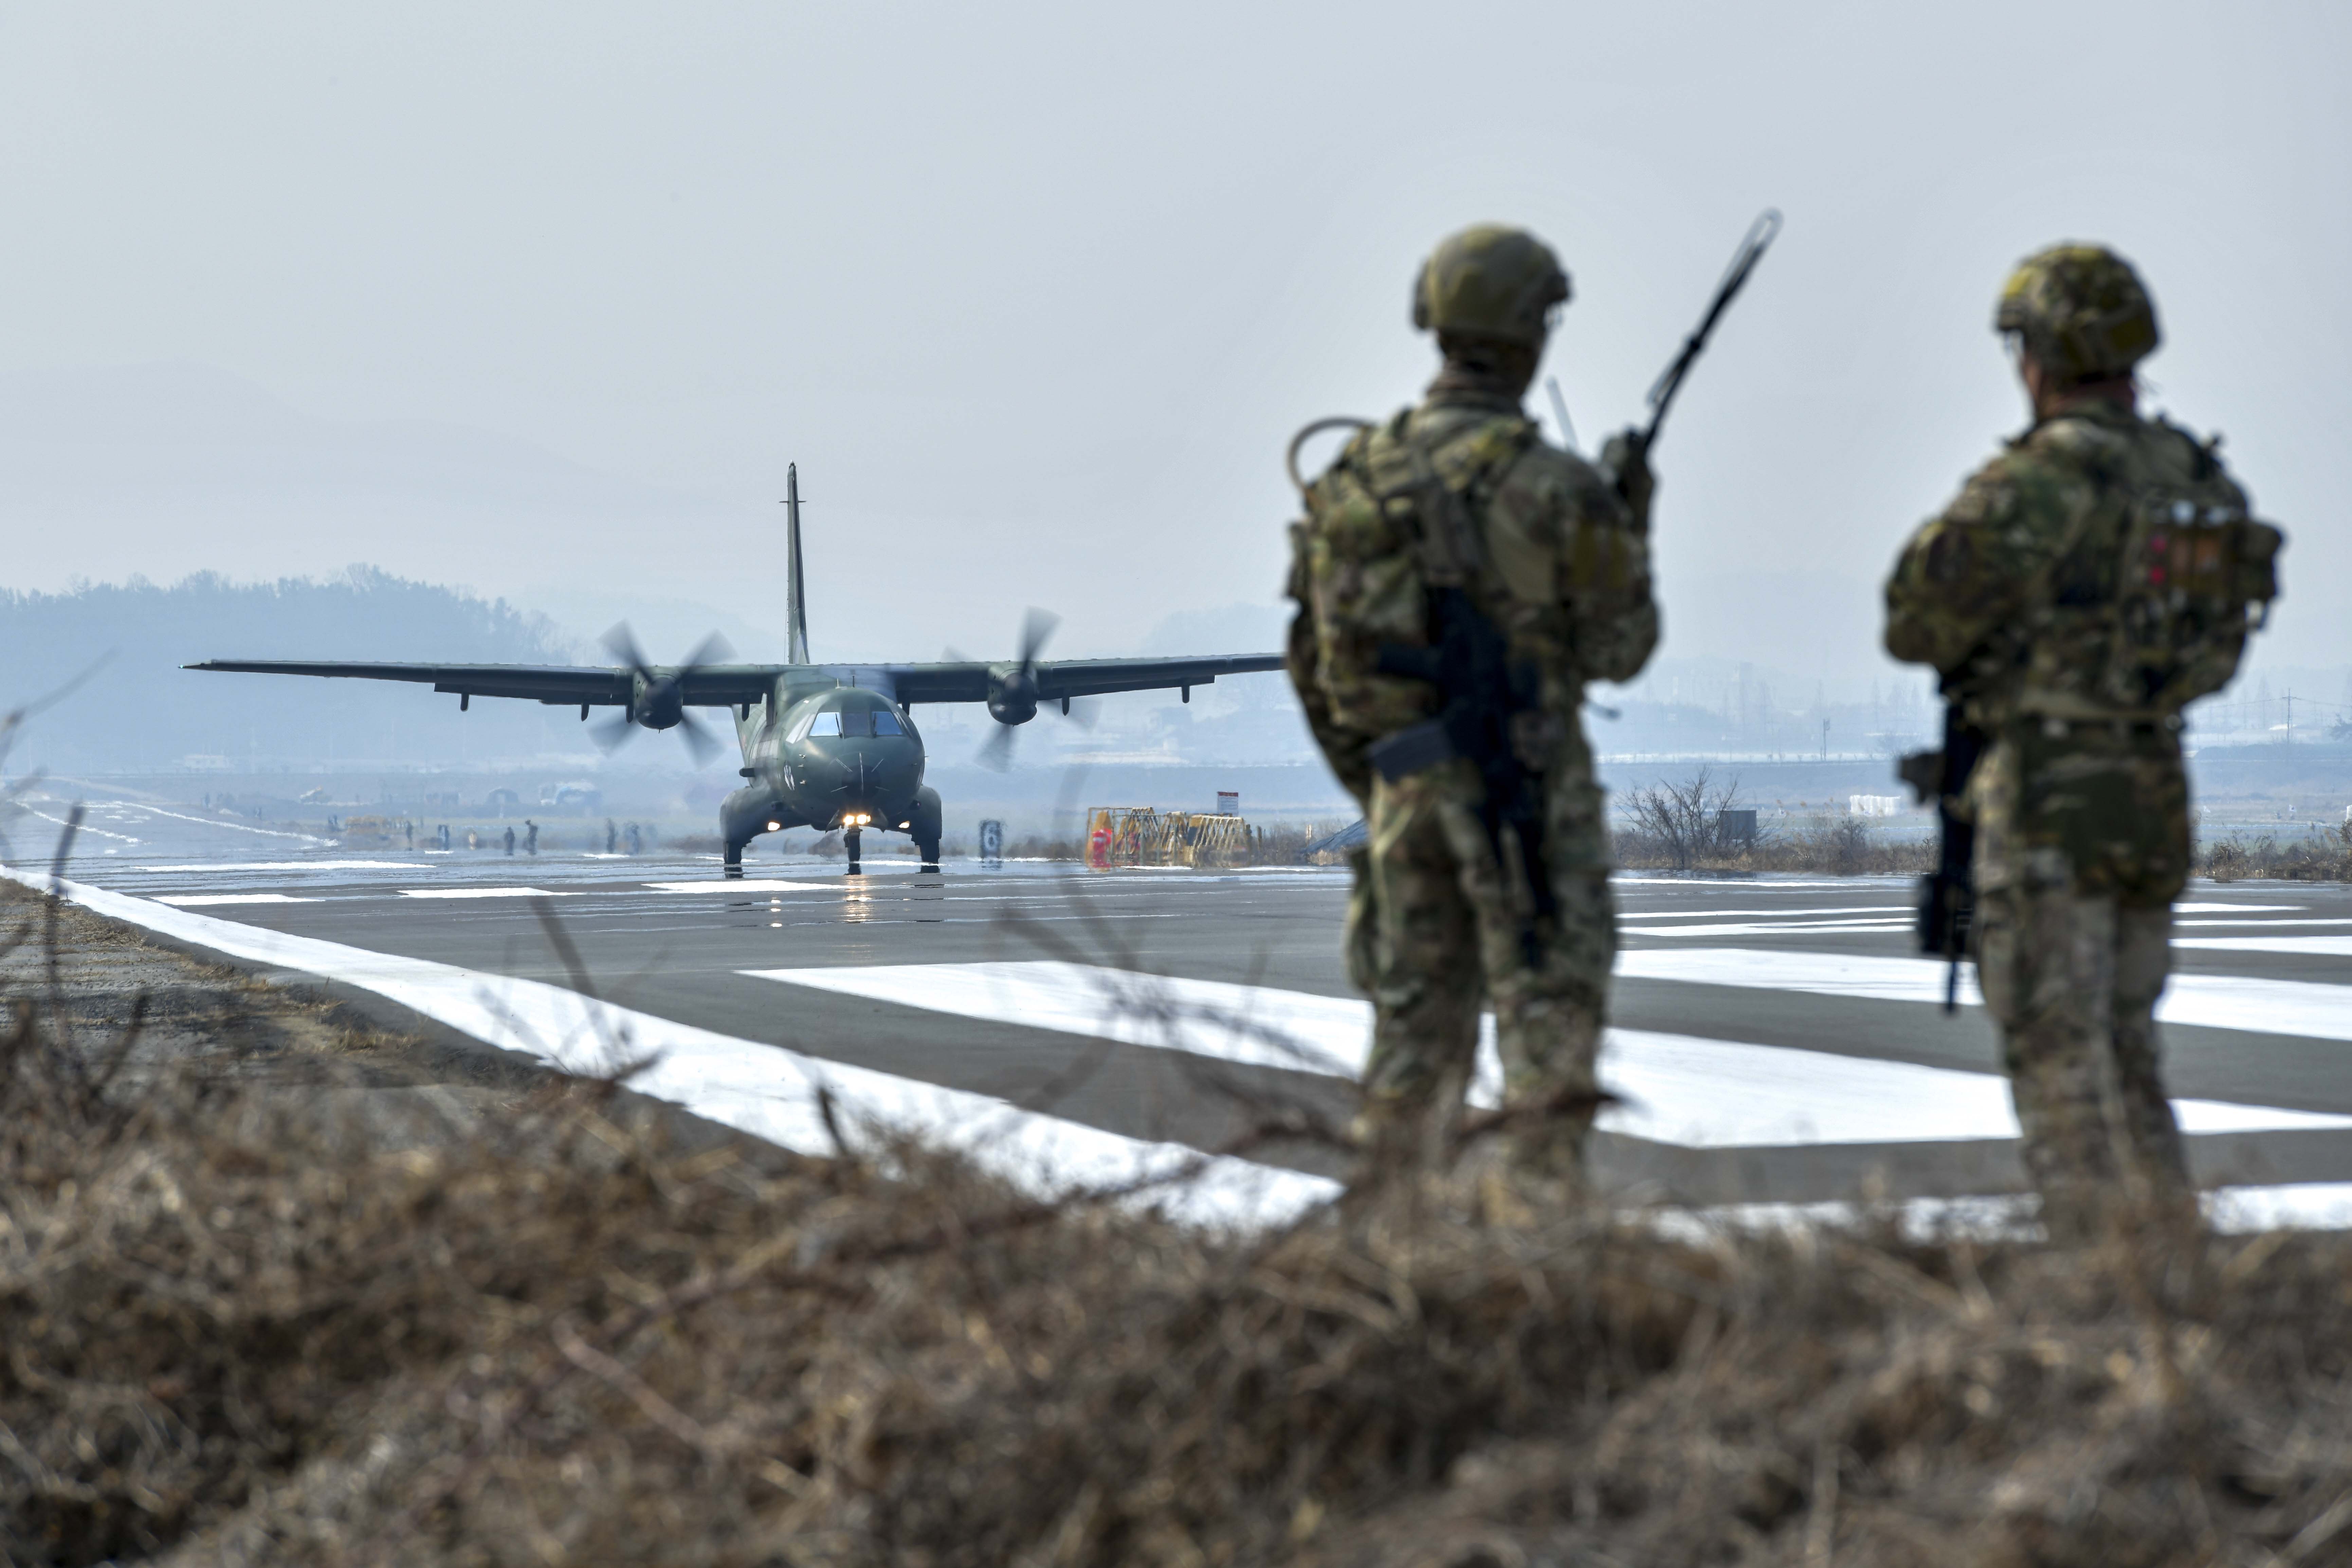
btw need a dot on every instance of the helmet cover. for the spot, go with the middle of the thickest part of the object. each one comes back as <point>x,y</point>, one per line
<point>1491,281</point>
<point>2081,310</point>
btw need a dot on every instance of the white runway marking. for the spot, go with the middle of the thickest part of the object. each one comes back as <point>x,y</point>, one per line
<point>2232,908</point>
<point>765,1090</point>
<point>1679,1088</point>
<point>1903,910</point>
<point>215,821</point>
<point>2309,946</point>
<point>1750,929</point>
<point>198,900</point>
<point>1748,885</point>
<point>2315,1206</point>
<point>1870,977</point>
<point>2266,925</point>
<point>83,827</point>
<point>2312,1205</point>
<point>748,885</point>
<point>2303,1007</point>
<point>482,893</point>
<point>294,865</point>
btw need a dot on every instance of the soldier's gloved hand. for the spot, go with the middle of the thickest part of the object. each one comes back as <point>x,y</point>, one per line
<point>1625,461</point>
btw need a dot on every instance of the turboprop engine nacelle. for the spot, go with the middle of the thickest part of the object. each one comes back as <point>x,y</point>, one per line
<point>657,701</point>
<point>1011,694</point>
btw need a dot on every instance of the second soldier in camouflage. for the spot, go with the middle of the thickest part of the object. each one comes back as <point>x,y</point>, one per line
<point>2089,582</point>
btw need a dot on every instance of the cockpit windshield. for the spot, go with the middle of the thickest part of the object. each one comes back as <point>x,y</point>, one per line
<point>854,723</point>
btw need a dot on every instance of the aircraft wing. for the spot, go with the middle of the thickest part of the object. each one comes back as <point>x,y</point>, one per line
<point>558,685</point>
<point>967,681</point>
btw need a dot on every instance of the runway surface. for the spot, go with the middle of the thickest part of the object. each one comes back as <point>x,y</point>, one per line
<point>1774,1039</point>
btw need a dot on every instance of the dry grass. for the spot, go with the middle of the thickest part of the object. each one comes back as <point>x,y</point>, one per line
<point>1829,845</point>
<point>242,1329</point>
<point>2316,858</point>
<point>1691,827</point>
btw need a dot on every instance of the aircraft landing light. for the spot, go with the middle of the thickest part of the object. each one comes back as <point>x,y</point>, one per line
<point>741,885</point>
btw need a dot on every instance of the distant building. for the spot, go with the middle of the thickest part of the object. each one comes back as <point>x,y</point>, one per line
<point>584,799</point>
<point>503,803</point>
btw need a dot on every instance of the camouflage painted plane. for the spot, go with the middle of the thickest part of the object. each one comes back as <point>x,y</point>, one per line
<point>825,745</point>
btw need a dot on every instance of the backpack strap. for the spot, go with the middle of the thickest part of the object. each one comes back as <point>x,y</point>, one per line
<point>1453,548</point>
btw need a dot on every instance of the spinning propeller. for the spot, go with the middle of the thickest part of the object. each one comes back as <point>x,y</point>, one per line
<point>657,697</point>
<point>1012,690</point>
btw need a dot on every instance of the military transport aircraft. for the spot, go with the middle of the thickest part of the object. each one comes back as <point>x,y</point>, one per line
<point>825,745</point>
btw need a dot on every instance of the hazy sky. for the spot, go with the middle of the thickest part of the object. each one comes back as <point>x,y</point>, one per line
<point>543,297</point>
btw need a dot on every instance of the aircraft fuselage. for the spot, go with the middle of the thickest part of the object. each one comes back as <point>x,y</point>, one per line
<point>838,756</point>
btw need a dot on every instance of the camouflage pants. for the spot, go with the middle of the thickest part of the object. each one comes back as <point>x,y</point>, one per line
<point>1438,926</point>
<point>2082,843</point>
<point>2073,980</point>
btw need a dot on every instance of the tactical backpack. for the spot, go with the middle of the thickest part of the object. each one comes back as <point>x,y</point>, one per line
<point>2149,607</point>
<point>1392,522</point>
<point>2193,578</point>
<point>1391,562</point>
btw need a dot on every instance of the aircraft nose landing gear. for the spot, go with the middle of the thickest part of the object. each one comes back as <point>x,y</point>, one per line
<point>849,841</point>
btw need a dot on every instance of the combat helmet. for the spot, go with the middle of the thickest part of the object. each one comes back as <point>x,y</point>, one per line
<point>1492,281</point>
<point>2081,310</point>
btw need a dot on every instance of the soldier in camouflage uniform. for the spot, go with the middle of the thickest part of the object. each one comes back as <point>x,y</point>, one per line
<point>1462,493</point>
<point>2090,581</point>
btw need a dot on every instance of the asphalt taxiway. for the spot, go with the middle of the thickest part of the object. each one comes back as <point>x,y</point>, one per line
<point>1773,1038</point>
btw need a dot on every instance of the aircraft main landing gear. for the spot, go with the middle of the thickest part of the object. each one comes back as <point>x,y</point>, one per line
<point>924,825</point>
<point>732,863</point>
<point>849,841</point>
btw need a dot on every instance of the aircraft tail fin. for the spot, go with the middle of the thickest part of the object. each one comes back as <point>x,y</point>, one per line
<point>796,582</point>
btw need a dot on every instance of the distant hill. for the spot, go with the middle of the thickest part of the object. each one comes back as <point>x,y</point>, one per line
<point>176,468</point>
<point>140,709</point>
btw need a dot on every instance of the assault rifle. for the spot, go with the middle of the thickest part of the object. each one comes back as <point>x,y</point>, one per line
<point>1485,692</point>
<point>1947,898</point>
